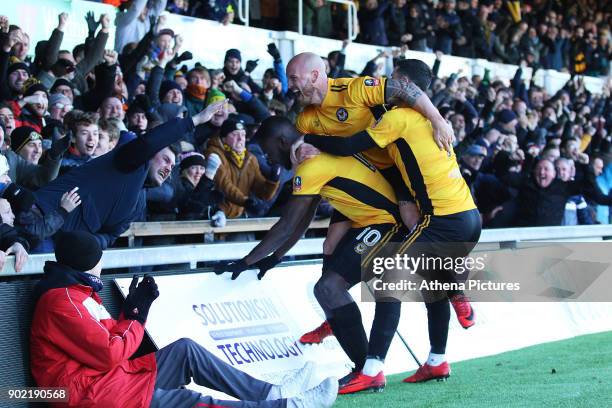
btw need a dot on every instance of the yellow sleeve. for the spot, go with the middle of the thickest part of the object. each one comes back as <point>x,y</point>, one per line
<point>367,91</point>
<point>395,124</point>
<point>311,176</point>
<point>385,131</point>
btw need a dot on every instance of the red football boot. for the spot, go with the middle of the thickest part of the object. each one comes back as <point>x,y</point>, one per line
<point>464,311</point>
<point>317,335</point>
<point>357,381</point>
<point>427,372</point>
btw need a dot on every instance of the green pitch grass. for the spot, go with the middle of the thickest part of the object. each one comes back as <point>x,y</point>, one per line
<point>568,373</point>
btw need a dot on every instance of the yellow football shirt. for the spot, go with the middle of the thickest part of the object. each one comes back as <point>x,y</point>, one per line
<point>352,185</point>
<point>432,176</point>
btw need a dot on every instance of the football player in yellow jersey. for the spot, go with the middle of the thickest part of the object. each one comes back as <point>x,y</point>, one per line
<point>362,198</point>
<point>444,200</point>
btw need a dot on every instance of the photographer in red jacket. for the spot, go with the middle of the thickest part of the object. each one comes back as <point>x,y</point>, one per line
<point>75,344</point>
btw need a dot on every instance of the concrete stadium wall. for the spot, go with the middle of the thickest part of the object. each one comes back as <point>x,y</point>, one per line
<point>208,41</point>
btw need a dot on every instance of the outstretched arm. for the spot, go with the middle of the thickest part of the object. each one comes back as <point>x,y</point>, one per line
<point>399,91</point>
<point>288,229</point>
<point>341,146</point>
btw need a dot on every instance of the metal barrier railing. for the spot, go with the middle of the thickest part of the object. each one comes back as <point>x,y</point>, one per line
<point>243,11</point>
<point>351,16</point>
<point>192,254</point>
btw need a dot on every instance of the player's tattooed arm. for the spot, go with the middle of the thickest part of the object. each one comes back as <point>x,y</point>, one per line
<point>402,91</point>
<point>287,231</point>
<point>405,92</point>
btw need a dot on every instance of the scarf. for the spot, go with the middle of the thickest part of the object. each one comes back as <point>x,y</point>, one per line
<point>93,281</point>
<point>238,157</point>
<point>196,91</point>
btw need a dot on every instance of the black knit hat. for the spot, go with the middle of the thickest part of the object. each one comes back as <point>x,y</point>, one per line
<point>166,87</point>
<point>79,250</point>
<point>22,136</point>
<point>20,198</point>
<point>30,89</point>
<point>17,65</point>
<point>192,159</point>
<point>233,53</point>
<point>60,82</point>
<point>230,125</point>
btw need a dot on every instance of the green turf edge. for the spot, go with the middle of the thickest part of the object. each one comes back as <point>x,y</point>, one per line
<point>521,378</point>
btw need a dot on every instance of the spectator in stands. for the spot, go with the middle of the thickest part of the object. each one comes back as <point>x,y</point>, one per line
<point>137,119</point>
<point>576,209</point>
<point>27,143</point>
<point>59,106</point>
<point>117,198</point>
<point>35,227</point>
<point>35,108</point>
<point>223,11</point>
<point>108,136</point>
<point>112,108</point>
<point>209,129</point>
<point>198,80</point>
<point>74,343</point>
<point>11,243</point>
<point>395,22</point>
<point>84,128</point>
<point>134,19</point>
<point>317,17</point>
<point>195,195</point>
<point>372,22</point>
<point>416,29</point>
<point>11,87</point>
<point>241,88</point>
<point>239,175</point>
<point>542,197</point>
<point>7,120</point>
<point>63,87</point>
<point>449,32</point>
<point>30,175</point>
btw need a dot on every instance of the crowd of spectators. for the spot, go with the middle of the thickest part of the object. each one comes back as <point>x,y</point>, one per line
<point>569,36</point>
<point>105,134</point>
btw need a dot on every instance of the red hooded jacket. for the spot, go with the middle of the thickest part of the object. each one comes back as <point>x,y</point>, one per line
<point>76,344</point>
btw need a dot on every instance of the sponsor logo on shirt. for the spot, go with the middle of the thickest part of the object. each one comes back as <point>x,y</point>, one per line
<point>371,82</point>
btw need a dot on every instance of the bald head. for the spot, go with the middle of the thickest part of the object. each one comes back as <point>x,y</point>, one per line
<point>307,78</point>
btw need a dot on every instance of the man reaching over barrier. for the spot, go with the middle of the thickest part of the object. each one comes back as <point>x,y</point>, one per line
<point>116,198</point>
<point>76,345</point>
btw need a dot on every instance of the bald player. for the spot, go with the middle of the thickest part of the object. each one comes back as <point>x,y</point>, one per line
<point>345,106</point>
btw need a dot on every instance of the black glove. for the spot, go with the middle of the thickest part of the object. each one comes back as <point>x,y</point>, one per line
<point>273,51</point>
<point>265,265</point>
<point>236,268</point>
<point>92,24</point>
<point>251,65</point>
<point>275,171</point>
<point>185,56</point>
<point>59,145</point>
<point>139,299</point>
<point>250,204</point>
